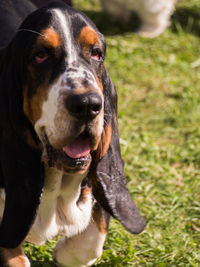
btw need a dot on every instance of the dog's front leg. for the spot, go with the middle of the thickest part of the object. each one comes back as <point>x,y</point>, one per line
<point>13,257</point>
<point>85,248</point>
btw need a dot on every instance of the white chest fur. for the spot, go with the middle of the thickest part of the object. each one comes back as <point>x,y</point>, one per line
<point>60,211</point>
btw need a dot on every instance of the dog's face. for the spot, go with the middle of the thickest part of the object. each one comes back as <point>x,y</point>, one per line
<point>62,91</point>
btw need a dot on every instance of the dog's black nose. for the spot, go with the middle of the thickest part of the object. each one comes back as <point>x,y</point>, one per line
<point>85,106</point>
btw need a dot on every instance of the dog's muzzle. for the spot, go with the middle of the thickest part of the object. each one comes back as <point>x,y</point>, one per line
<point>84,107</point>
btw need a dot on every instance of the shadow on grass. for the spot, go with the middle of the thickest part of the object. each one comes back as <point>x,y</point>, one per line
<point>185,19</point>
<point>40,256</point>
<point>108,26</point>
<point>42,264</point>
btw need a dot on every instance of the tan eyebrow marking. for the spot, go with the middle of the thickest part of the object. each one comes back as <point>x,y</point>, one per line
<point>88,36</point>
<point>50,38</point>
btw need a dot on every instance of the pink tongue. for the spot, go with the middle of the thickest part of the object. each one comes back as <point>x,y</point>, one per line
<point>79,148</point>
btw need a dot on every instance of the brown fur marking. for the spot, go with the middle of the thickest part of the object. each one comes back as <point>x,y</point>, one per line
<point>88,36</point>
<point>105,140</point>
<point>99,219</point>
<point>14,257</point>
<point>84,194</point>
<point>33,107</point>
<point>49,38</point>
<point>99,84</point>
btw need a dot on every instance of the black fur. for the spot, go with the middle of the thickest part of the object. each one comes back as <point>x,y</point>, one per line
<point>21,170</point>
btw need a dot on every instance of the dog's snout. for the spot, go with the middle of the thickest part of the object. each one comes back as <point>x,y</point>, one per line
<point>85,106</point>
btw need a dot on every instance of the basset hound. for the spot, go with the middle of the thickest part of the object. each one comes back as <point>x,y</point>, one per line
<point>61,171</point>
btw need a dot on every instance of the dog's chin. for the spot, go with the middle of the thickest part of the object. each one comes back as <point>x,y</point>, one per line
<point>72,158</point>
<point>59,160</point>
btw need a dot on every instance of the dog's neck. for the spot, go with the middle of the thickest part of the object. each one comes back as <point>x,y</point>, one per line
<point>65,206</point>
<point>59,183</point>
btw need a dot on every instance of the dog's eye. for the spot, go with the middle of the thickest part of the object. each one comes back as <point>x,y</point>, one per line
<point>96,54</point>
<point>41,57</point>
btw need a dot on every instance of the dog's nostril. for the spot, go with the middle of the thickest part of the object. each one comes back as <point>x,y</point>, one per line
<point>95,104</point>
<point>96,108</point>
<point>85,106</point>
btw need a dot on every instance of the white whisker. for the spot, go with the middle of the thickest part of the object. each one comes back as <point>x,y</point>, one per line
<point>27,30</point>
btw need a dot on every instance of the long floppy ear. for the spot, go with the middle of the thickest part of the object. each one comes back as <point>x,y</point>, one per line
<point>107,174</point>
<point>22,173</point>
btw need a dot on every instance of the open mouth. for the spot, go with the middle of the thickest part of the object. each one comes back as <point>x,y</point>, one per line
<point>79,148</point>
<point>74,157</point>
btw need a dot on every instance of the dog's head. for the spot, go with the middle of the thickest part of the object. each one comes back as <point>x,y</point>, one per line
<point>62,110</point>
<point>62,57</point>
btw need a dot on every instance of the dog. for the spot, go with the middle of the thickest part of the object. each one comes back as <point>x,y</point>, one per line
<point>154,14</point>
<point>61,171</point>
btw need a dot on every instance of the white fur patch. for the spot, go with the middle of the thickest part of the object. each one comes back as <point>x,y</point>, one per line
<point>26,262</point>
<point>49,111</point>
<point>66,26</point>
<point>59,211</point>
<point>81,250</point>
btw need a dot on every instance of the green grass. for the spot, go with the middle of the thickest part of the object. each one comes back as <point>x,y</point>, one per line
<point>158,83</point>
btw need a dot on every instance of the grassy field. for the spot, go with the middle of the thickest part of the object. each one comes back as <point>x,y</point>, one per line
<point>158,83</point>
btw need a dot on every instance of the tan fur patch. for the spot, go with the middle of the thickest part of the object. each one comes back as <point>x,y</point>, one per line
<point>99,84</point>
<point>105,141</point>
<point>49,38</point>
<point>88,36</point>
<point>84,194</point>
<point>99,219</point>
<point>33,106</point>
<point>14,257</point>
